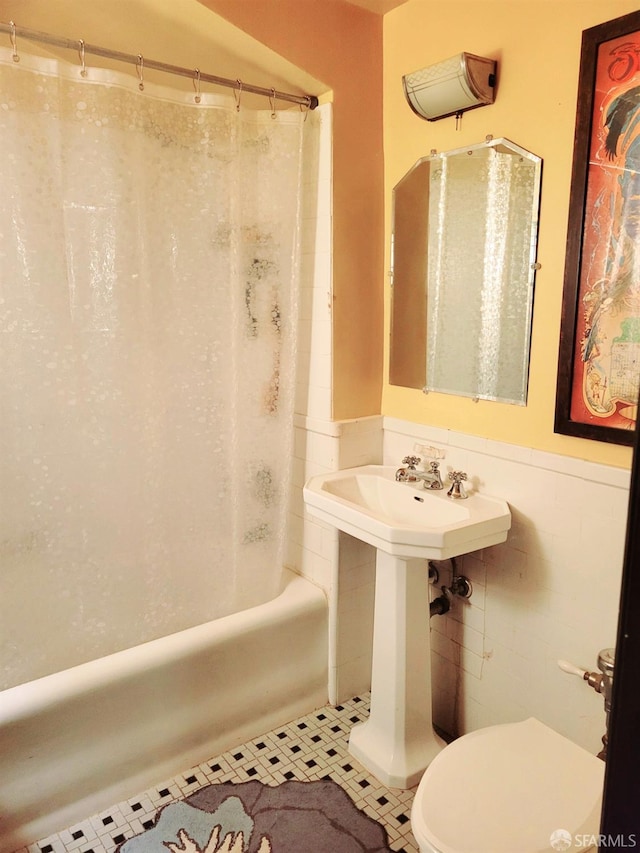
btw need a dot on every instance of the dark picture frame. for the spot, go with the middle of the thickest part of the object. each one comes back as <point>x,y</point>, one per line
<point>599,356</point>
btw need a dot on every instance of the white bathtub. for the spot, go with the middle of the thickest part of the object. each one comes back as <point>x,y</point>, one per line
<point>78,741</point>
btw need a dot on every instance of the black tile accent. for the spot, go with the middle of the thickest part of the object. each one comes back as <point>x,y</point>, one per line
<point>148,824</point>
<point>331,752</point>
<point>339,707</point>
<point>289,775</point>
<point>190,780</point>
<point>303,726</point>
<point>363,783</point>
<point>316,739</point>
<point>107,820</point>
<point>321,717</point>
<point>355,719</point>
<point>251,771</point>
<point>215,767</point>
<point>274,760</point>
<point>295,748</point>
<point>281,735</point>
<point>336,729</point>
<point>135,807</point>
<point>164,792</point>
<point>77,834</point>
<point>311,763</point>
<point>382,800</point>
<point>237,756</point>
<point>118,839</point>
<point>261,745</point>
<point>401,818</point>
<point>47,848</point>
<point>347,768</point>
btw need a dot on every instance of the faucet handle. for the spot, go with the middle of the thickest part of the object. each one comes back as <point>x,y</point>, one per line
<point>572,669</point>
<point>457,491</point>
<point>411,461</point>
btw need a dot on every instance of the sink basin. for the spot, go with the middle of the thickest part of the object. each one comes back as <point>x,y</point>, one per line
<point>405,519</point>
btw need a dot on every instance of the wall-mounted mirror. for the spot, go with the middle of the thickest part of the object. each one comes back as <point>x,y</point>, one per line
<point>463,258</point>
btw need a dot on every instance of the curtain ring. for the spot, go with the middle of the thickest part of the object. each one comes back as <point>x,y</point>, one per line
<point>304,108</point>
<point>237,94</point>
<point>272,101</point>
<point>12,36</point>
<point>83,69</point>
<point>196,85</point>
<point>140,70</point>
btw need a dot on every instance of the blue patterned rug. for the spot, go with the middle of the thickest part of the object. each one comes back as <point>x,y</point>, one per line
<point>250,817</point>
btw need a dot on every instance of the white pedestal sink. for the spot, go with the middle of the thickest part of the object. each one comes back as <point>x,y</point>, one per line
<point>407,525</point>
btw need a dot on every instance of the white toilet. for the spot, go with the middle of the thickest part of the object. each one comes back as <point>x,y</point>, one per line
<point>513,788</point>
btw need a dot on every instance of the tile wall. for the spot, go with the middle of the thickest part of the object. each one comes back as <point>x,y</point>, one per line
<point>342,565</point>
<point>550,592</point>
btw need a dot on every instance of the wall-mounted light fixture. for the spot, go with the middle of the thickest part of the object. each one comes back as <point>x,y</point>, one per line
<point>451,87</point>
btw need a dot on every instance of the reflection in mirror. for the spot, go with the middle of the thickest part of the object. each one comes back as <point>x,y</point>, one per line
<point>463,263</point>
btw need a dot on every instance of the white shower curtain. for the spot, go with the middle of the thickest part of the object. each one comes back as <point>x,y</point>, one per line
<point>148,275</point>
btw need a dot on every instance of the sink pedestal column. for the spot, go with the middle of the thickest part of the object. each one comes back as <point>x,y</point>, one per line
<point>397,742</point>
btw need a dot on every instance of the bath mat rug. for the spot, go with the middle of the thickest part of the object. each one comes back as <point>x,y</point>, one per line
<point>251,817</point>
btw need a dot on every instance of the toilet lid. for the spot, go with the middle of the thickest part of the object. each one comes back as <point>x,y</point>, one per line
<point>507,788</point>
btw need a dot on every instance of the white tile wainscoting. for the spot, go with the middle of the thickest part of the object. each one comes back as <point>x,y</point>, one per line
<point>550,591</point>
<point>342,565</point>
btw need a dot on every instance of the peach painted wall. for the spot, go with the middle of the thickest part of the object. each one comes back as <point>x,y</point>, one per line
<point>341,45</point>
<point>537,44</point>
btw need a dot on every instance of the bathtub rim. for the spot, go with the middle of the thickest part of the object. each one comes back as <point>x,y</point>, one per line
<point>33,697</point>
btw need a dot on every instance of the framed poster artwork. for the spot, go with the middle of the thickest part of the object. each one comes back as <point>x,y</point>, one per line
<point>599,360</point>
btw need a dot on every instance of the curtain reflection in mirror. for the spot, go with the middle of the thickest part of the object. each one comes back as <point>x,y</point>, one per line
<point>474,332</point>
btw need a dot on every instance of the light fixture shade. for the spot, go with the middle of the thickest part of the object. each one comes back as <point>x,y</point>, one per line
<point>450,87</point>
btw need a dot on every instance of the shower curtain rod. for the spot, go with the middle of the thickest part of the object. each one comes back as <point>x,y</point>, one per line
<point>141,62</point>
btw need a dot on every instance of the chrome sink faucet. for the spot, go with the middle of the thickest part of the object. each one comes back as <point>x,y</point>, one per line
<point>431,478</point>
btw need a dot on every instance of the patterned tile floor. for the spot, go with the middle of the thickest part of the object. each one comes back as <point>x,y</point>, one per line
<point>313,747</point>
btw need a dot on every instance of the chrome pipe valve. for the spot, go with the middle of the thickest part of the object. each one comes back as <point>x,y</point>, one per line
<point>602,682</point>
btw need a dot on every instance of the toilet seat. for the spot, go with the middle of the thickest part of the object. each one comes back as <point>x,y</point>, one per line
<point>506,789</point>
